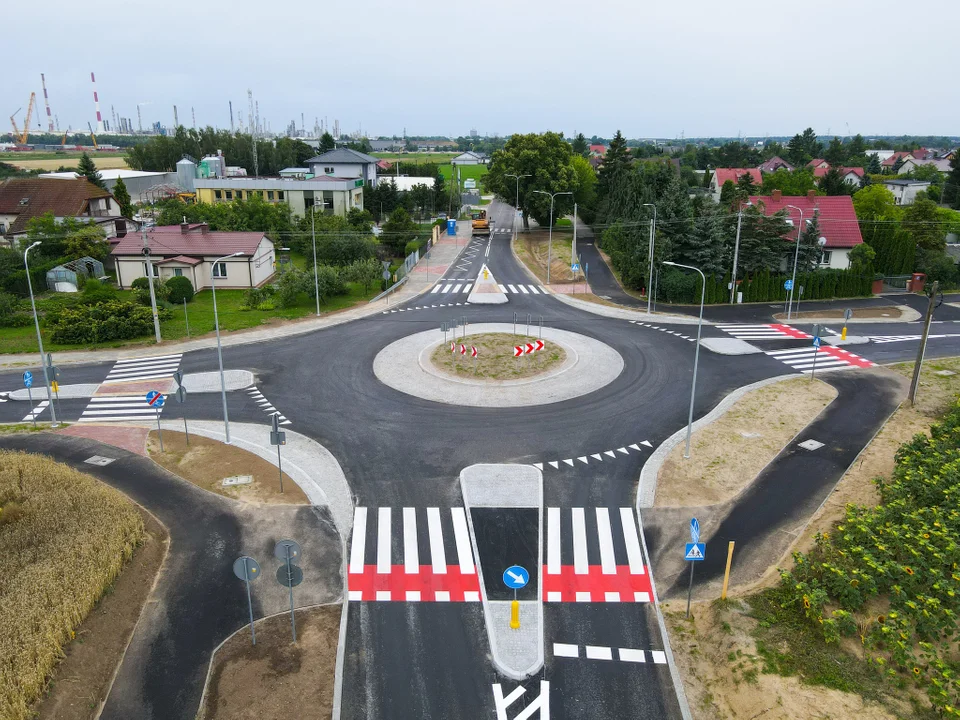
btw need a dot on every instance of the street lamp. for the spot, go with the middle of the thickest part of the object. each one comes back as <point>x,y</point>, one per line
<point>518,201</point>
<point>313,231</point>
<point>216,323</point>
<point>653,235</point>
<point>696,357</point>
<point>36,321</point>
<point>550,237</point>
<point>736,251</point>
<point>796,258</point>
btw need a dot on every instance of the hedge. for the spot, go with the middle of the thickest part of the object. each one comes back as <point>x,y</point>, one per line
<point>684,288</point>
<point>116,320</point>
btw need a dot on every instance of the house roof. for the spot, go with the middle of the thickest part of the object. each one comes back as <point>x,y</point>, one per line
<point>602,149</point>
<point>28,198</point>
<point>721,175</point>
<point>183,259</point>
<point>820,172</point>
<point>343,156</point>
<point>384,164</point>
<point>906,183</point>
<point>175,241</point>
<point>774,164</point>
<point>892,160</point>
<point>815,162</point>
<point>838,220</point>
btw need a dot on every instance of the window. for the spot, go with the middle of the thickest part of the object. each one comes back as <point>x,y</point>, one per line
<point>328,170</point>
<point>239,194</point>
<point>220,270</point>
<point>269,194</point>
<point>229,195</point>
<point>156,271</point>
<point>825,257</point>
<point>279,194</point>
<point>218,194</point>
<point>178,272</point>
<point>328,200</point>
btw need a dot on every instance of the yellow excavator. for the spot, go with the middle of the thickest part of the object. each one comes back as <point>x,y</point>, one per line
<point>479,223</point>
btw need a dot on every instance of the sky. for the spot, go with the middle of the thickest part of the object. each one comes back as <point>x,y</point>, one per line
<point>717,68</point>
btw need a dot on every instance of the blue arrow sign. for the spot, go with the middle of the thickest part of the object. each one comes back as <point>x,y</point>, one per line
<point>788,285</point>
<point>155,399</point>
<point>694,530</point>
<point>695,552</point>
<point>27,379</point>
<point>816,342</point>
<point>515,577</point>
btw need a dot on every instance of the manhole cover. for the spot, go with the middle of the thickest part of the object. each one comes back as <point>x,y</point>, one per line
<point>945,373</point>
<point>99,460</point>
<point>238,480</point>
<point>811,445</point>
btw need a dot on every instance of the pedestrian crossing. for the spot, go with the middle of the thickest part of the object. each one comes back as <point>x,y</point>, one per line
<point>119,408</point>
<point>828,358</point>
<point>144,368</point>
<point>265,405</point>
<point>36,411</point>
<point>904,338</point>
<point>602,652</point>
<point>426,555</point>
<point>454,287</point>
<point>764,332</point>
<point>501,230</point>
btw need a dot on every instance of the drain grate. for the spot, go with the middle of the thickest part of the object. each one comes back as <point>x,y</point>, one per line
<point>811,445</point>
<point>99,460</point>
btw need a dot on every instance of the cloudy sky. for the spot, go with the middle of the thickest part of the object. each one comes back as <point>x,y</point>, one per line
<point>652,69</point>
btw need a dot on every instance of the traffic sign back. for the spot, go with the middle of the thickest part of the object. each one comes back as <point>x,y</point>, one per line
<point>694,530</point>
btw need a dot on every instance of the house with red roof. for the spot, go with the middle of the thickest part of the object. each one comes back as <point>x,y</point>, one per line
<point>775,163</point>
<point>721,175</point>
<point>198,253</point>
<point>837,218</point>
<point>818,163</point>
<point>852,176</point>
<point>22,199</point>
<point>895,158</point>
<point>598,150</point>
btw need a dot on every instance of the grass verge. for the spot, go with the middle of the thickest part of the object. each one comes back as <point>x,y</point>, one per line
<point>495,360</point>
<point>64,538</point>
<point>533,249</point>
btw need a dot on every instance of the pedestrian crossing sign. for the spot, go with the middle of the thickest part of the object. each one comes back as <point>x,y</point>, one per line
<point>695,552</point>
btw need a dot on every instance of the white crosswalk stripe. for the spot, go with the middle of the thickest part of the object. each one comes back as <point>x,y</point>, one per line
<point>145,368</point>
<point>119,408</point>
<point>802,359</point>
<point>130,407</point>
<point>600,652</point>
<point>625,550</point>
<point>459,286</point>
<point>905,338</point>
<point>36,411</point>
<point>761,332</point>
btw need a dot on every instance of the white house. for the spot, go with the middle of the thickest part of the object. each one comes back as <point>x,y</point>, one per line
<point>470,158</point>
<point>911,163</point>
<point>905,191</point>
<point>190,251</point>
<point>345,163</point>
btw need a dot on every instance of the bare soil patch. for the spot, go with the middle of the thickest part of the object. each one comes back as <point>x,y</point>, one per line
<point>277,679</point>
<point>727,455</point>
<point>82,679</point>
<point>207,462</point>
<point>532,249</point>
<point>495,360</point>
<point>891,312</point>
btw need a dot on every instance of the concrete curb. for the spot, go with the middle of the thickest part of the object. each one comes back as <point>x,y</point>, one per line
<point>627,314</point>
<point>647,486</point>
<point>907,314</point>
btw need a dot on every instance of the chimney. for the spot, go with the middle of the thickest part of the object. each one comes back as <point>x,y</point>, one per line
<point>811,194</point>
<point>777,195</point>
<point>184,227</point>
<point>204,227</point>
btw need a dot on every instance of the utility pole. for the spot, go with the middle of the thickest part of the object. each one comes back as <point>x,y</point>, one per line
<point>153,297</point>
<point>915,381</point>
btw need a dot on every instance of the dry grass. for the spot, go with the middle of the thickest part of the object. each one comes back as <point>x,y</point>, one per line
<point>207,462</point>
<point>728,454</point>
<point>495,360</point>
<point>103,162</point>
<point>532,249</point>
<point>64,538</point>
<point>891,312</point>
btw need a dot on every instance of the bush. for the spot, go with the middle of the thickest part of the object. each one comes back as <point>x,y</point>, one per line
<point>413,246</point>
<point>95,292</point>
<point>181,289</point>
<point>258,299</point>
<point>114,320</point>
<point>141,289</point>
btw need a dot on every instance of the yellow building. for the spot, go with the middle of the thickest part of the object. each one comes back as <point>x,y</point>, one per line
<point>337,196</point>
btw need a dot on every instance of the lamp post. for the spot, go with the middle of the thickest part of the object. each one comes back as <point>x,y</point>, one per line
<point>696,357</point>
<point>517,209</point>
<point>313,232</point>
<point>36,322</point>
<point>216,323</point>
<point>653,235</point>
<point>550,236</point>
<point>796,258</point>
<point>736,252</point>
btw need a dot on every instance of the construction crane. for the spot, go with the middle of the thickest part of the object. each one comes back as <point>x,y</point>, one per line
<point>92,136</point>
<point>20,136</point>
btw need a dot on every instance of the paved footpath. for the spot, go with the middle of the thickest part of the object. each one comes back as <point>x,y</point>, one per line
<point>421,278</point>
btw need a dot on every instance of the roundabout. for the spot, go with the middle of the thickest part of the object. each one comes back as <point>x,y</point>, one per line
<point>582,365</point>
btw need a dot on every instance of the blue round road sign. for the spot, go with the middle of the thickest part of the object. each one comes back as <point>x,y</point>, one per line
<point>515,577</point>
<point>154,399</point>
<point>27,379</point>
<point>788,285</point>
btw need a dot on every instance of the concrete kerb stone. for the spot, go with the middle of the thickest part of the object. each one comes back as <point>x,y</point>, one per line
<point>66,392</point>
<point>647,486</point>
<point>729,346</point>
<point>205,382</point>
<point>907,314</point>
<point>627,314</point>
<point>595,365</point>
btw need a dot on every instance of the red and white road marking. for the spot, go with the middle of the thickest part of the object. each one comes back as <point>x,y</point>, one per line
<point>761,332</point>
<point>828,358</point>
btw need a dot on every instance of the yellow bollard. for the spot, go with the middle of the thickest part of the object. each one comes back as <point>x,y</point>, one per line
<point>515,615</point>
<point>726,573</point>
<point>843,335</point>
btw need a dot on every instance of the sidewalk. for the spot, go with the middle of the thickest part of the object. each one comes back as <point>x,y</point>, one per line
<point>421,278</point>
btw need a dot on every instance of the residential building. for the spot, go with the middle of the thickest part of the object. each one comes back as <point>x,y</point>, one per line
<point>384,165</point>
<point>911,163</point>
<point>722,175</point>
<point>881,154</point>
<point>852,176</point>
<point>406,182</point>
<point>895,158</point>
<point>905,191</point>
<point>598,150</point>
<point>345,163</point>
<point>775,163</point>
<point>190,250</point>
<point>818,163</point>
<point>470,158</point>
<point>337,195</point>
<point>22,199</point>
<point>837,218</point>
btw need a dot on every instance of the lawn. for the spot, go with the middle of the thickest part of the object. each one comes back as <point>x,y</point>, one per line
<point>417,157</point>
<point>200,315</point>
<point>466,171</point>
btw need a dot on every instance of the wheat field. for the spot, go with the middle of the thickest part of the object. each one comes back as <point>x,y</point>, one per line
<point>64,538</point>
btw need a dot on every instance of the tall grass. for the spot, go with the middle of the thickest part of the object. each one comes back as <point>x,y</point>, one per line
<point>64,538</point>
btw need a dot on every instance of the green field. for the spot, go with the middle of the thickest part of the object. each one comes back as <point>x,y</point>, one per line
<point>417,157</point>
<point>466,171</point>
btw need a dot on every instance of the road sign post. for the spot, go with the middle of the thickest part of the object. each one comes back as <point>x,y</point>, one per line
<point>28,383</point>
<point>288,574</point>
<point>695,552</point>
<point>921,351</point>
<point>816,350</point>
<point>53,375</point>
<point>278,438</point>
<point>155,400</point>
<point>847,314</point>
<point>181,396</point>
<point>515,578</point>
<point>248,569</point>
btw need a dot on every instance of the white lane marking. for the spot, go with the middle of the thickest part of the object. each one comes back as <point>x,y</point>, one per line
<point>565,650</point>
<point>534,290</point>
<point>462,537</point>
<point>632,655</point>
<point>411,557</point>
<point>437,557</point>
<point>502,288</point>
<point>580,563</point>
<point>358,546</point>
<point>659,657</point>
<point>466,288</point>
<point>383,541</point>
<point>607,559</point>
<point>632,541</point>
<point>598,653</point>
<point>553,541</point>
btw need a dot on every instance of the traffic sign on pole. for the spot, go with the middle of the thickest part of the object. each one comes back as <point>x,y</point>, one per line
<point>463,349</point>
<point>515,577</point>
<point>788,285</point>
<point>695,552</point>
<point>28,379</point>
<point>155,399</point>
<point>248,570</point>
<point>473,351</point>
<point>529,349</point>
<point>816,342</point>
<point>517,350</point>
<point>538,346</point>
<point>694,530</point>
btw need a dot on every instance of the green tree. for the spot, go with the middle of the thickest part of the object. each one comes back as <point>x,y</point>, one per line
<point>122,196</point>
<point>360,220</point>
<point>861,258</point>
<point>586,193</point>
<point>86,241</point>
<point>705,246</point>
<point>745,187</point>
<point>728,193</point>
<point>366,272</point>
<point>327,143</point>
<point>873,165</point>
<point>546,159</point>
<point>398,230</point>
<point>875,202</point>
<point>88,169</point>
<point>923,222</point>
<point>798,182</point>
<point>951,188</point>
<point>836,153</point>
<point>579,146</point>
<point>802,148</point>
<point>809,253</point>
<point>833,183</point>
<point>616,161</point>
<point>857,148</point>
<point>68,239</point>
<point>762,240</point>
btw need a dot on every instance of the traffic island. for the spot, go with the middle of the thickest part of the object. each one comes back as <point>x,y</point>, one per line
<point>495,356</point>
